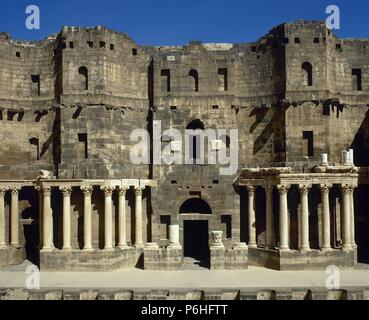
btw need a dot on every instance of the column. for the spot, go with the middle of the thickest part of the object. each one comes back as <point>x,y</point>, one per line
<point>346,190</point>
<point>138,217</point>
<point>174,236</point>
<point>122,235</point>
<point>14,220</point>
<point>352,224</point>
<point>87,219</point>
<point>304,236</point>
<point>251,217</point>
<point>326,239</point>
<point>108,217</point>
<point>38,188</point>
<point>283,218</point>
<point>3,243</point>
<point>66,191</point>
<point>48,240</point>
<point>270,233</point>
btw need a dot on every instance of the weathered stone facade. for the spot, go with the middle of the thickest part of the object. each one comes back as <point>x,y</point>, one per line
<point>69,103</point>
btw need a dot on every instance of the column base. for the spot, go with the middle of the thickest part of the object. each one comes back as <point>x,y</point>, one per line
<point>326,249</point>
<point>16,245</point>
<point>108,249</point>
<point>354,245</point>
<point>252,245</point>
<point>284,250</point>
<point>3,246</point>
<point>305,249</point>
<point>139,246</point>
<point>67,250</point>
<point>347,248</point>
<point>87,249</point>
<point>51,249</point>
<point>174,246</point>
<point>122,246</point>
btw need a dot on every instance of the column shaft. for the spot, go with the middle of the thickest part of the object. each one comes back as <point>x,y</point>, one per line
<point>346,189</point>
<point>283,218</point>
<point>304,236</point>
<point>87,218</point>
<point>48,243</point>
<point>251,217</point>
<point>326,239</point>
<point>108,218</point>
<point>352,222</point>
<point>138,216</point>
<point>14,234</point>
<point>122,241</point>
<point>270,232</point>
<point>3,242</point>
<point>66,191</point>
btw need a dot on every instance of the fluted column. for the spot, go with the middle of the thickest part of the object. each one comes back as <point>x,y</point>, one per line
<point>283,218</point>
<point>346,190</point>
<point>270,232</point>
<point>326,239</point>
<point>138,217</point>
<point>108,217</point>
<point>66,191</point>
<point>251,217</point>
<point>352,222</point>
<point>87,218</point>
<point>3,242</point>
<point>48,239</point>
<point>14,229</point>
<point>304,236</point>
<point>122,235</point>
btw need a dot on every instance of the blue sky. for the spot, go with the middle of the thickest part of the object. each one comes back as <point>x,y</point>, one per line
<point>158,22</point>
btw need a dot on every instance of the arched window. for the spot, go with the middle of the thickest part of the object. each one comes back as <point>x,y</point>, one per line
<point>195,205</point>
<point>308,76</point>
<point>195,139</point>
<point>194,74</point>
<point>83,78</point>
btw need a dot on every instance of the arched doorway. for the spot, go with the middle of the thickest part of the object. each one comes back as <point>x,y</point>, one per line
<point>195,214</point>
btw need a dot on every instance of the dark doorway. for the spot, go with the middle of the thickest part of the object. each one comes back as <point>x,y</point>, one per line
<point>195,241</point>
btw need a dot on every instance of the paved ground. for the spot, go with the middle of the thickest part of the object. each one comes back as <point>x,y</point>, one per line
<point>136,279</point>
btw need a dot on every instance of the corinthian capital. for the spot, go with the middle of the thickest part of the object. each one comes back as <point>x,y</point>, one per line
<point>250,190</point>
<point>138,191</point>
<point>108,190</point>
<point>346,188</point>
<point>324,188</point>
<point>283,189</point>
<point>66,190</point>
<point>122,190</point>
<point>304,188</point>
<point>3,190</point>
<point>87,190</point>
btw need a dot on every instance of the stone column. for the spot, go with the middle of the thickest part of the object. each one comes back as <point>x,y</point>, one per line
<point>326,239</point>
<point>87,218</point>
<point>270,232</point>
<point>14,220</point>
<point>174,236</point>
<point>251,217</point>
<point>138,217</point>
<point>3,243</point>
<point>352,223</point>
<point>66,191</point>
<point>304,236</point>
<point>122,242</point>
<point>108,217</point>
<point>48,239</point>
<point>283,218</point>
<point>346,190</point>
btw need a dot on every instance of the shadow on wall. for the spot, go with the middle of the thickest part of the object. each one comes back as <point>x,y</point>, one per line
<point>361,144</point>
<point>275,127</point>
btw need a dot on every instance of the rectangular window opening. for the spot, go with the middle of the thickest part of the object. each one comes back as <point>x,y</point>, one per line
<point>222,79</point>
<point>357,79</point>
<point>165,80</point>
<point>164,227</point>
<point>308,144</point>
<point>83,147</point>
<point>227,220</point>
<point>36,86</point>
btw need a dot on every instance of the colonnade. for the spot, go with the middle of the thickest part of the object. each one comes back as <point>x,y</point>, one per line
<point>46,217</point>
<point>347,224</point>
